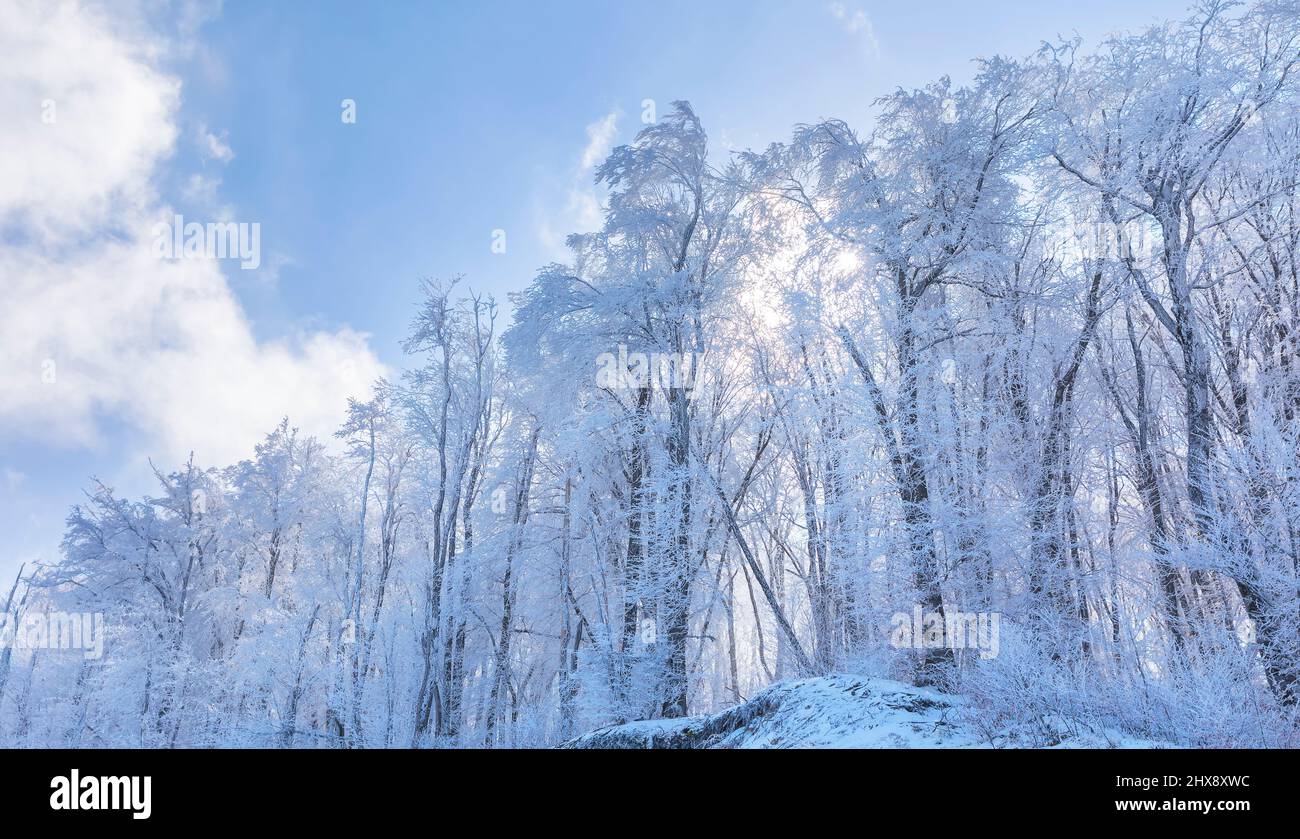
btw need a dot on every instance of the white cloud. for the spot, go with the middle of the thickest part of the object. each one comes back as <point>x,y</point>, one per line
<point>855,22</point>
<point>581,209</point>
<point>201,189</point>
<point>600,139</point>
<point>88,117</point>
<point>12,479</point>
<point>94,327</point>
<point>212,147</point>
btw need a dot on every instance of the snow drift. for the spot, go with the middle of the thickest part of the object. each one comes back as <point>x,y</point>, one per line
<point>838,711</point>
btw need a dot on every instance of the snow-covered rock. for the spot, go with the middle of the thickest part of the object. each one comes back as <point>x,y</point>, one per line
<point>838,711</point>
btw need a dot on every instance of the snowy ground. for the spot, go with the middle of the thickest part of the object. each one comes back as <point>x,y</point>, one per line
<point>839,711</point>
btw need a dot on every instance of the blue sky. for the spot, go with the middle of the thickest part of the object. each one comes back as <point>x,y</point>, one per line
<point>471,117</point>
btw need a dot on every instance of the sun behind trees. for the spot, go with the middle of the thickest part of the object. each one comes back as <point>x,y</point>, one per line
<point>1027,348</point>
